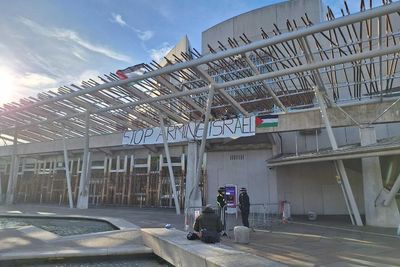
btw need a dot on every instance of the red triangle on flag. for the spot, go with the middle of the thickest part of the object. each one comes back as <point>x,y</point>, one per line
<point>121,75</point>
<point>258,121</point>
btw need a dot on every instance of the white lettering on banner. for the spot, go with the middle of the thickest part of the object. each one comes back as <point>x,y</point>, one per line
<point>231,128</point>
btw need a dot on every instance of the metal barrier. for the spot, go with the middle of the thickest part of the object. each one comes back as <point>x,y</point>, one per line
<point>264,215</point>
<point>261,216</point>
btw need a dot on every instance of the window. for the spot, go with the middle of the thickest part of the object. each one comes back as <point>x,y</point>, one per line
<point>237,157</point>
<point>140,161</point>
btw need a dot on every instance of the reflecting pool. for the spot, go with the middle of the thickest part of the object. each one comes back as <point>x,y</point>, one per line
<point>120,261</point>
<point>59,226</point>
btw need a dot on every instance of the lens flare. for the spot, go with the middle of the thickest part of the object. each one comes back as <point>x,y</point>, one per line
<point>8,85</point>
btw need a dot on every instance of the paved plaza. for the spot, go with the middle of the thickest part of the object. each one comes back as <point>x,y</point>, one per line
<point>325,242</point>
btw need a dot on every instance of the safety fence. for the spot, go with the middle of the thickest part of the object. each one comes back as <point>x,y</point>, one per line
<point>261,216</point>
<point>264,215</point>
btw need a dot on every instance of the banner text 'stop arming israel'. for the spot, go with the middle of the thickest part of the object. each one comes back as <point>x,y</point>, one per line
<point>231,128</point>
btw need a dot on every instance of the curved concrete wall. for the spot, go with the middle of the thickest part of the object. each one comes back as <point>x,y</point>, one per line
<point>251,22</point>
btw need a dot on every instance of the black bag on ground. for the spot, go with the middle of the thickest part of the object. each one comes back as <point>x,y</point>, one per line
<point>192,236</point>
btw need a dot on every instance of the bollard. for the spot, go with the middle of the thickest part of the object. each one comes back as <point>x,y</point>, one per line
<point>312,216</point>
<point>186,221</point>
<point>242,234</point>
<point>41,198</point>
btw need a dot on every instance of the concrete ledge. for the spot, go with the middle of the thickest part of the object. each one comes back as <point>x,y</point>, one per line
<point>172,246</point>
<point>362,112</point>
<point>30,242</point>
<point>72,252</point>
<point>116,222</point>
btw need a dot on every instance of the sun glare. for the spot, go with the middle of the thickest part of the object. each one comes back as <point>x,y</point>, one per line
<point>8,85</point>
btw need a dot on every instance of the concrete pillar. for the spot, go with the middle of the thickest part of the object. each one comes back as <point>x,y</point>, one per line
<point>196,193</point>
<point>192,159</point>
<point>12,180</point>
<point>272,175</point>
<point>375,213</point>
<point>83,196</point>
<point>192,201</point>
<point>67,171</point>
<point>170,170</point>
<point>1,190</point>
<point>276,143</point>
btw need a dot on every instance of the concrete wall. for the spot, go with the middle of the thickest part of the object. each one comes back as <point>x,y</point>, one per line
<point>182,46</point>
<point>344,136</point>
<point>250,172</point>
<point>362,112</point>
<point>313,187</point>
<point>251,22</point>
<point>309,187</point>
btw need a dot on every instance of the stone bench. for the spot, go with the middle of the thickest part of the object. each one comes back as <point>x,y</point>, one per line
<point>172,246</point>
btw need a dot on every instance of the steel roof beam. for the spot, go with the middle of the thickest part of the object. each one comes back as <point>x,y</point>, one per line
<point>265,76</point>
<point>224,94</point>
<point>163,81</point>
<point>343,21</point>
<point>141,95</point>
<point>113,101</point>
<point>264,83</point>
<point>82,103</point>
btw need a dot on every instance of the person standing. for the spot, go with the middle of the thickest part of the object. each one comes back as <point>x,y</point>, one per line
<point>221,203</point>
<point>244,205</point>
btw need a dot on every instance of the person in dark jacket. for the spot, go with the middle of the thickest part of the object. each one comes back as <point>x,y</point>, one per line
<point>244,205</point>
<point>208,226</point>
<point>221,203</point>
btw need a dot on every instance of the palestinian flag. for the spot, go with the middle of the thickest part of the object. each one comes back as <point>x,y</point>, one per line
<point>129,71</point>
<point>267,121</point>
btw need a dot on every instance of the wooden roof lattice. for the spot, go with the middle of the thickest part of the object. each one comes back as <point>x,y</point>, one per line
<point>349,56</point>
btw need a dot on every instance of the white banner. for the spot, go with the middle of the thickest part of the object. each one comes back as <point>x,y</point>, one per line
<point>231,128</point>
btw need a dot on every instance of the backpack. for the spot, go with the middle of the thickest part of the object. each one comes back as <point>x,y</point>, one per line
<point>192,236</point>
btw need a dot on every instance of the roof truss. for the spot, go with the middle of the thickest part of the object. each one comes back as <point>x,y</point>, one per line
<point>349,57</point>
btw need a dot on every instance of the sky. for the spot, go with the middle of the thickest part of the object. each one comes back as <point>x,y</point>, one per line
<point>45,44</point>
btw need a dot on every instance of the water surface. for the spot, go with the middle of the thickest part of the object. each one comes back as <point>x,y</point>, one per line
<point>59,226</point>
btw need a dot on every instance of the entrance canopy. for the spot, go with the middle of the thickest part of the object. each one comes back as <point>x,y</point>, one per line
<point>354,57</point>
<point>386,147</point>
